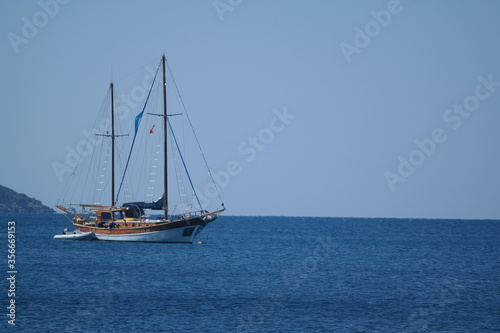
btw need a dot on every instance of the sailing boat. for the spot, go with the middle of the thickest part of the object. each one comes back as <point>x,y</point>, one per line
<point>129,221</point>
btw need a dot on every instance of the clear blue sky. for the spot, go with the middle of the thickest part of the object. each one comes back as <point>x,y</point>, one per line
<point>359,81</point>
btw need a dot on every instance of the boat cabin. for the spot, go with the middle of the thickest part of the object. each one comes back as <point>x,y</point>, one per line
<point>109,215</point>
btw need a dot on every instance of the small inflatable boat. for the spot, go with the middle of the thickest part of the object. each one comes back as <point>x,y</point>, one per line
<point>75,235</point>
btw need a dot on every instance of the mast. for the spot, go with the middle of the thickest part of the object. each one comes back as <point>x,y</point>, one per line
<point>165,157</point>
<point>112,146</point>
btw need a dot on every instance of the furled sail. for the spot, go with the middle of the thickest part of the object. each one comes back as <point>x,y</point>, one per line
<point>156,205</point>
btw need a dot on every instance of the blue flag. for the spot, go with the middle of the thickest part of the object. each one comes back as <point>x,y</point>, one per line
<point>138,120</point>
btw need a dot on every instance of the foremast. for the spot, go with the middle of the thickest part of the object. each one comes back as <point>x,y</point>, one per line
<point>112,136</point>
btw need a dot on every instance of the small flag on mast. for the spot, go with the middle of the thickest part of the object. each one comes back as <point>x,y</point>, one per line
<point>138,120</point>
<point>152,130</point>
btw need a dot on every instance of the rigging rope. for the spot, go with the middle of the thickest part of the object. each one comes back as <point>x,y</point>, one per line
<point>184,164</point>
<point>180,182</point>
<point>195,136</point>
<point>137,122</point>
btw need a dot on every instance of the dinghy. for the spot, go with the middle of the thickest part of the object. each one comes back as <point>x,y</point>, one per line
<point>75,235</point>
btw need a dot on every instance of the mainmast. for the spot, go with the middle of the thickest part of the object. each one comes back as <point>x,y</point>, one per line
<point>165,157</point>
<point>112,146</point>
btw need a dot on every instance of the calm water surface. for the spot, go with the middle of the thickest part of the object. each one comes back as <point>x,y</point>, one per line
<point>260,274</point>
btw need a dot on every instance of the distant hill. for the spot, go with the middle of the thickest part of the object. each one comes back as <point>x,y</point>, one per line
<point>13,202</point>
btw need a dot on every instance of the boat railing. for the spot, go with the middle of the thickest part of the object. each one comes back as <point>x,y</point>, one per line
<point>188,215</point>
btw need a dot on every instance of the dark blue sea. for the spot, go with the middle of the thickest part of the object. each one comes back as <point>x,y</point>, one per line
<point>259,274</point>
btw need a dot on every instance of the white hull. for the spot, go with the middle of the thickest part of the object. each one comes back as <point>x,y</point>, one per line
<point>177,235</point>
